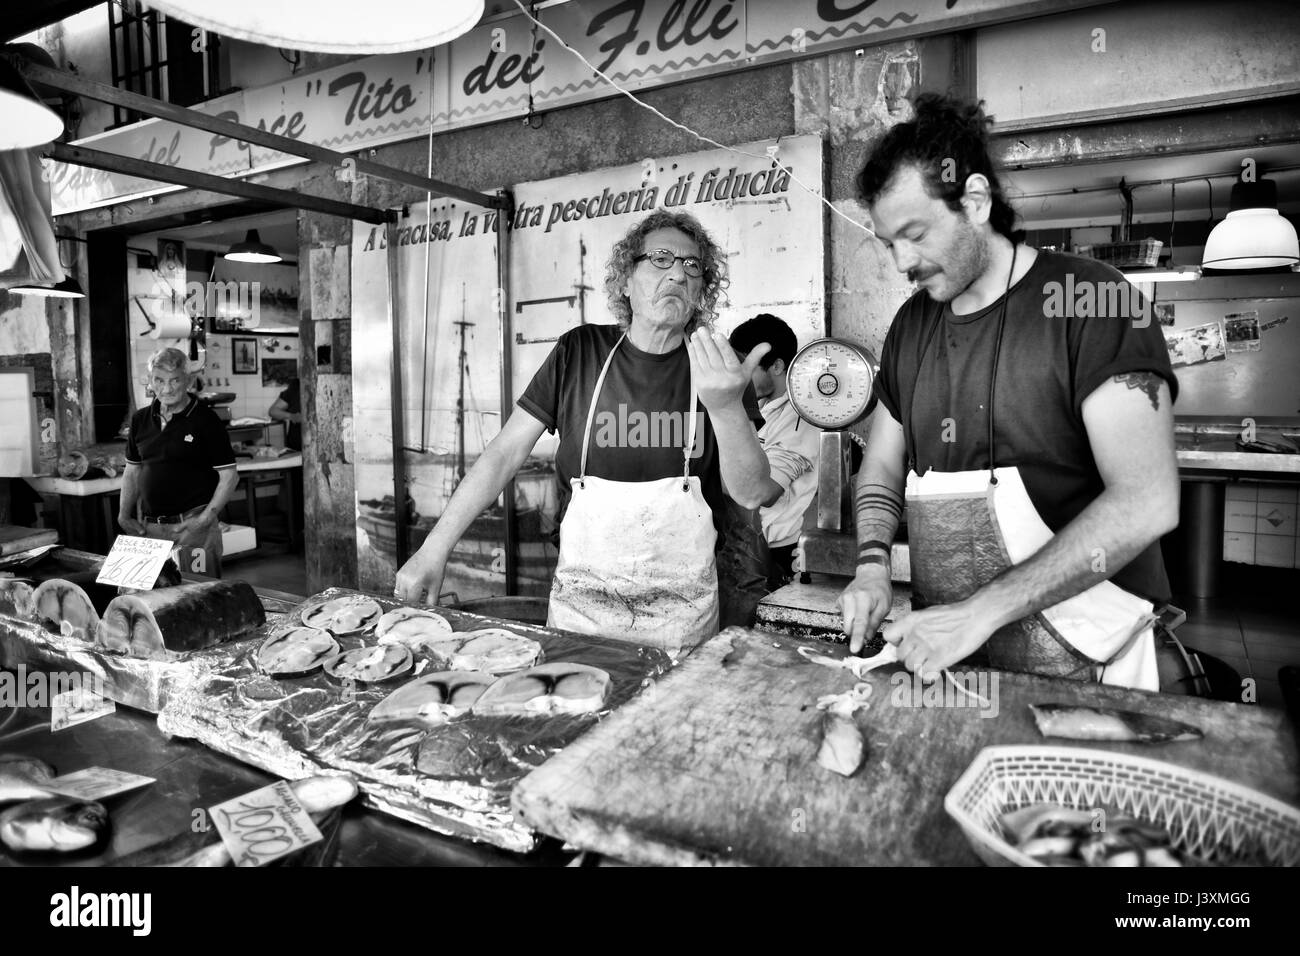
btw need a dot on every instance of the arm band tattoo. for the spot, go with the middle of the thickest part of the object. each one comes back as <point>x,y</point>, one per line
<point>873,558</point>
<point>874,545</point>
<point>1147,382</point>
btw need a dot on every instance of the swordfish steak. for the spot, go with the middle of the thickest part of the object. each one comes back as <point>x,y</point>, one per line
<point>165,623</point>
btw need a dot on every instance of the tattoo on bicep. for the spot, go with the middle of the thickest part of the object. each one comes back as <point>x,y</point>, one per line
<point>1147,382</point>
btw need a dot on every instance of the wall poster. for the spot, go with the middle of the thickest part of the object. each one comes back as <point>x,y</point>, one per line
<point>561,234</point>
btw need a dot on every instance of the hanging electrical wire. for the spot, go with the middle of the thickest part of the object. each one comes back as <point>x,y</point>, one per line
<point>690,132</point>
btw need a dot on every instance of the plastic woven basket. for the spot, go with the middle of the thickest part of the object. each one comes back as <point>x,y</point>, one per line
<point>1209,818</point>
<point>1135,254</point>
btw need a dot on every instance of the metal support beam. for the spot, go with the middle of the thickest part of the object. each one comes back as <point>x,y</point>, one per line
<point>249,134</point>
<point>1239,126</point>
<point>399,405</point>
<point>506,347</point>
<point>128,166</point>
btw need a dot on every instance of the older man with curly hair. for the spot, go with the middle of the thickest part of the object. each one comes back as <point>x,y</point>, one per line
<point>655,416</point>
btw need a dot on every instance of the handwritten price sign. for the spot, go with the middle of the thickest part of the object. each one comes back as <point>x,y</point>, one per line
<point>134,562</point>
<point>260,827</point>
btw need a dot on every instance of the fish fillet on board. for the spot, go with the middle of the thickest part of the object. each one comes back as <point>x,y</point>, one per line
<point>168,622</point>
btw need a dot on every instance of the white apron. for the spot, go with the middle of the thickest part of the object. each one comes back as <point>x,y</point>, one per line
<point>964,528</point>
<point>636,557</point>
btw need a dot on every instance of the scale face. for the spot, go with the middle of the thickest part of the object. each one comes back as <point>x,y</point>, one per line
<point>830,383</point>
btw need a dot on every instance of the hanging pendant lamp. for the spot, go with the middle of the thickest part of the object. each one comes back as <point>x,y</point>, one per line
<point>69,288</point>
<point>24,120</point>
<point>252,249</point>
<point>332,26</point>
<point>1254,235</point>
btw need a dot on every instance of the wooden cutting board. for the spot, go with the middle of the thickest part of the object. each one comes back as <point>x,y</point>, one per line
<point>716,763</point>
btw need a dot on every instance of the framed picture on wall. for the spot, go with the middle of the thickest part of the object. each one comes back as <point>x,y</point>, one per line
<point>245,356</point>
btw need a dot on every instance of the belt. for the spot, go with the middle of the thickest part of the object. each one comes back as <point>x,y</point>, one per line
<point>164,519</point>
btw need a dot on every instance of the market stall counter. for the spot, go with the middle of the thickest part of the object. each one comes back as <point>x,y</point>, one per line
<point>191,779</point>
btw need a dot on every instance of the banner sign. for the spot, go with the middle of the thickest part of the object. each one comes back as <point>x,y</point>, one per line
<point>490,73</point>
<point>771,229</point>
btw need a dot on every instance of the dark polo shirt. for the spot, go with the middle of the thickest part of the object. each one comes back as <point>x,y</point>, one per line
<point>179,460</point>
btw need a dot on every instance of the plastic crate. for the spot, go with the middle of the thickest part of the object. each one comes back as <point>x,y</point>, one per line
<point>1137,254</point>
<point>1209,818</point>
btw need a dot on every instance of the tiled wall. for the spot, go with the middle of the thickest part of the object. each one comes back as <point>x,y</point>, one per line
<point>1259,524</point>
<point>252,398</point>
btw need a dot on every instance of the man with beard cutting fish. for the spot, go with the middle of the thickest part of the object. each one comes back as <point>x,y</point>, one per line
<point>1033,443</point>
<point>641,466</point>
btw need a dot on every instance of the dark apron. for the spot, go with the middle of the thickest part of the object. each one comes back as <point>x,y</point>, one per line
<point>965,528</point>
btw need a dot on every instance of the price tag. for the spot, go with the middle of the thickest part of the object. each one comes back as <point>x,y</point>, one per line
<point>96,783</point>
<point>135,562</point>
<point>260,827</point>
<point>74,707</point>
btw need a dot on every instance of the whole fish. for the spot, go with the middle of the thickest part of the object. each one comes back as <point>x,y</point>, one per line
<point>53,825</point>
<point>1075,722</point>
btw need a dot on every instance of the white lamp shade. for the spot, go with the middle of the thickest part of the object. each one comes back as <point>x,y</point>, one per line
<point>1252,239</point>
<point>24,120</point>
<point>332,26</point>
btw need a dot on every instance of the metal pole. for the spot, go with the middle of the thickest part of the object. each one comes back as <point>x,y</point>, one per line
<point>113,163</point>
<point>399,410</point>
<point>504,215</point>
<point>249,134</point>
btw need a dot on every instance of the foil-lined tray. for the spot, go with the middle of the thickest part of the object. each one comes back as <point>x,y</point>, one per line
<point>134,682</point>
<point>460,786</point>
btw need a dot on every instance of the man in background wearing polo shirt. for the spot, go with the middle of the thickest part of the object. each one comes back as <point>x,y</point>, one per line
<point>792,445</point>
<point>180,469</point>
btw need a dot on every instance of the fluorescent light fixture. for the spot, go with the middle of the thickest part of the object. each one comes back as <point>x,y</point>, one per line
<point>69,288</point>
<point>1253,235</point>
<point>332,26</point>
<point>252,249</point>
<point>1175,274</point>
<point>24,120</point>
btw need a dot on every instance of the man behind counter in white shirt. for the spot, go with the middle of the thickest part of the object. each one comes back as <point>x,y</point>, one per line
<point>792,445</point>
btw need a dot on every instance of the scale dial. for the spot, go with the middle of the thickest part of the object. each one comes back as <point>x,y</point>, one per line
<point>830,383</point>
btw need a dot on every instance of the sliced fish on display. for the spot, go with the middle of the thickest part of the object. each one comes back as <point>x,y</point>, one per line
<point>418,629</point>
<point>350,614</point>
<point>296,652</point>
<point>1075,722</point>
<point>496,651</point>
<point>53,825</point>
<point>66,608</point>
<point>370,665</point>
<point>18,598</point>
<point>556,688</point>
<point>434,698</point>
<point>166,623</point>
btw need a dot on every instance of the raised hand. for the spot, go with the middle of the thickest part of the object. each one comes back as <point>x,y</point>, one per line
<point>720,378</point>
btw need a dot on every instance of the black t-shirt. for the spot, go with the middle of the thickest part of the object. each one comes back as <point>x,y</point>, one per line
<point>640,427</point>
<point>178,460</point>
<point>292,398</point>
<point>1057,348</point>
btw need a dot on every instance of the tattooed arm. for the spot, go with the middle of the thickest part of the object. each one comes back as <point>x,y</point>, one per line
<point>1129,420</point>
<point>878,503</point>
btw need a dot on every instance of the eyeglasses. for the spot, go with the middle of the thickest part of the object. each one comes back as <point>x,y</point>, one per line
<point>663,259</point>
